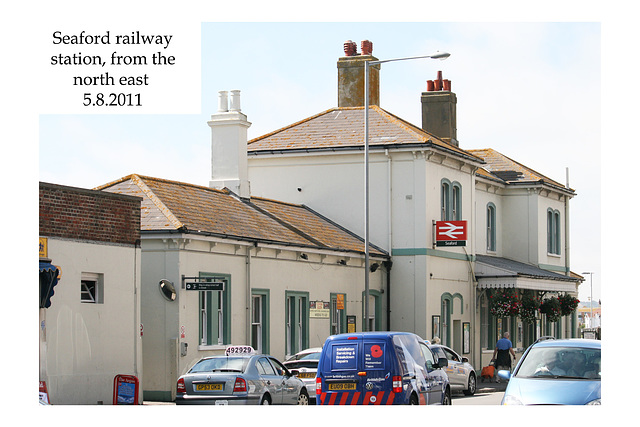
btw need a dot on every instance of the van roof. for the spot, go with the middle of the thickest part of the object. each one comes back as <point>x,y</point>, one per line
<point>362,335</point>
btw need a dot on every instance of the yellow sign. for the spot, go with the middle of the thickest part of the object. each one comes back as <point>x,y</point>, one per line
<point>44,248</point>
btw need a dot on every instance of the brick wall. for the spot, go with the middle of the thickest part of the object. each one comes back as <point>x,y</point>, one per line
<point>77,213</point>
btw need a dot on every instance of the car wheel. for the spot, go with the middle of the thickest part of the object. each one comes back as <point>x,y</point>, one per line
<point>446,400</point>
<point>303,399</point>
<point>413,400</point>
<point>266,400</point>
<point>471,386</point>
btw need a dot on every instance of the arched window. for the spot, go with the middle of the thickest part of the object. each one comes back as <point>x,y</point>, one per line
<point>553,232</point>
<point>450,200</point>
<point>491,227</point>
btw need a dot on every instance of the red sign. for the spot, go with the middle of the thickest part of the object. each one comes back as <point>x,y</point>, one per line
<point>125,390</point>
<point>451,233</point>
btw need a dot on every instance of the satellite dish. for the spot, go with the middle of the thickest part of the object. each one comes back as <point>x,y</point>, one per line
<point>167,290</point>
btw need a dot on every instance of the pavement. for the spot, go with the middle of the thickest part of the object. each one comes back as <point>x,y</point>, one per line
<point>490,387</point>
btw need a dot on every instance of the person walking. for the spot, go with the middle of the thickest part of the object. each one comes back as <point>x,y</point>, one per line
<point>502,350</point>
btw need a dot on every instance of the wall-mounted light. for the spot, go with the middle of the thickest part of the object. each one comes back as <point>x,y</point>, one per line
<point>373,267</point>
<point>304,256</point>
<point>342,262</point>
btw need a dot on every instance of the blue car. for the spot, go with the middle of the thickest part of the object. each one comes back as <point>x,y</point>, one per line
<point>556,372</point>
<point>380,368</point>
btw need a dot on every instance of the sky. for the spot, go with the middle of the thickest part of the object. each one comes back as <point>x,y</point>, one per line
<point>528,90</point>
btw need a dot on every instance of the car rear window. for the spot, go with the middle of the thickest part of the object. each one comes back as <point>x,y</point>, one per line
<point>344,356</point>
<point>233,364</point>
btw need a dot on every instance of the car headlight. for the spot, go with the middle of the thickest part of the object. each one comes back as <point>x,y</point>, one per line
<point>595,402</point>
<point>511,400</point>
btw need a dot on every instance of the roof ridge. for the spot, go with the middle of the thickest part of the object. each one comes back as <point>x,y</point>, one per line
<point>285,223</point>
<point>137,180</point>
<point>251,141</point>
<point>532,171</point>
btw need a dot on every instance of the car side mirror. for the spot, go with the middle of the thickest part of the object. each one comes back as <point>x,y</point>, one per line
<point>294,372</point>
<point>504,374</point>
<point>465,360</point>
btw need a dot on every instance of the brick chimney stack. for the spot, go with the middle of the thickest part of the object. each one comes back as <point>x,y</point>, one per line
<point>351,75</point>
<point>439,110</point>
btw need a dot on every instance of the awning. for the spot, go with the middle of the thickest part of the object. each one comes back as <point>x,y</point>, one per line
<point>501,273</point>
<point>48,279</point>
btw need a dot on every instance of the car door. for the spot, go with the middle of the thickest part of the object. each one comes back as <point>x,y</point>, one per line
<point>435,385</point>
<point>290,385</point>
<point>455,370</point>
<point>271,380</point>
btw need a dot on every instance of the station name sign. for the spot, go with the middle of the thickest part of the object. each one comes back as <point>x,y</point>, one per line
<point>451,233</point>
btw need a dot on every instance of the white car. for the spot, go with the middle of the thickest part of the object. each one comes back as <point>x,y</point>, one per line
<point>462,376</point>
<point>306,364</point>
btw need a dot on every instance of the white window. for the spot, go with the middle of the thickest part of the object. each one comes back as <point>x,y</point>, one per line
<point>91,288</point>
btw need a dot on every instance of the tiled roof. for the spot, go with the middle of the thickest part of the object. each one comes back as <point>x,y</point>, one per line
<point>502,168</point>
<point>511,267</point>
<point>170,205</point>
<point>343,128</point>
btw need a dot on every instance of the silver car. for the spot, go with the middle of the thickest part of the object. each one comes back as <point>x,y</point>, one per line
<point>306,364</point>
<point>241,380</point>
<point>462,376</point>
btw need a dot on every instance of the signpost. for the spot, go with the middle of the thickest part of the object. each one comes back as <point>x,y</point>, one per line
<point>451,233</point>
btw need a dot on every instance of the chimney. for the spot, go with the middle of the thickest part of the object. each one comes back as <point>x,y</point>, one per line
<point>439,110</point>
<point>229,166</point>
<point>351,76</point>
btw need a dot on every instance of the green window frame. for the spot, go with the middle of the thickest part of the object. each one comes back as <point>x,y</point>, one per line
<point>491,227</point>
<point>296,321</point>
<point>554,232</point>
<point>214,313</point>
<point>450,200</point>
<point>260,327</point>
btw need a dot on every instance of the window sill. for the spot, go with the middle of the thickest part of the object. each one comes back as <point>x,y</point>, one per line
<point>554,255</point>
<point>212,347</point>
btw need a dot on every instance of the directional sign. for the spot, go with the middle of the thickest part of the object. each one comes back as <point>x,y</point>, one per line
<point>451,233</point>
<point>204,286</point>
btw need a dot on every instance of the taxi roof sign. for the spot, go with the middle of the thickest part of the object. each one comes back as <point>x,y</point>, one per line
<point>239,350</point>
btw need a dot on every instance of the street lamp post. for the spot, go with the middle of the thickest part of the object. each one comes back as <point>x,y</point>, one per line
<point>590,273</point>
<point>367,64</point>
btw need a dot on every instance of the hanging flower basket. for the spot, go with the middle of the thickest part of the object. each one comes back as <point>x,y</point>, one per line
<point>568,304</point>
<point>529,306</point>
<point>551,307</point>
<point>504,304</point>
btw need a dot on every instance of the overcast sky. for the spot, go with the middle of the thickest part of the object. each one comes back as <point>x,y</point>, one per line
<point>529,90</point>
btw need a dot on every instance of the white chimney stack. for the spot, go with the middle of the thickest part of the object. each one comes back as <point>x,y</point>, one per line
<point>229,166</point>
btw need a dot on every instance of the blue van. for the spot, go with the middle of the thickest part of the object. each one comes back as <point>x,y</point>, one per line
<point>380,368</point>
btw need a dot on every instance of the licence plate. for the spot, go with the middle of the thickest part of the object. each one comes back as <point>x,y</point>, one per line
<point>342,386</point>
<point>306,375</point>
<point>208,387</point>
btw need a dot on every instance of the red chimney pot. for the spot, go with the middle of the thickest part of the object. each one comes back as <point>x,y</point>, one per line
<point>367,47</point>
<point>350,48</point>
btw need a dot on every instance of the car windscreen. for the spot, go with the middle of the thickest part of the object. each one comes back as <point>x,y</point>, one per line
<point>221,364</point>
<point>561,362</point>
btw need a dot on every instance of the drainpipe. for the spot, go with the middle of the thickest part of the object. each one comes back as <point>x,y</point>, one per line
<point>387,266</point>
<point>248,291</point>
<point>389,263</point>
